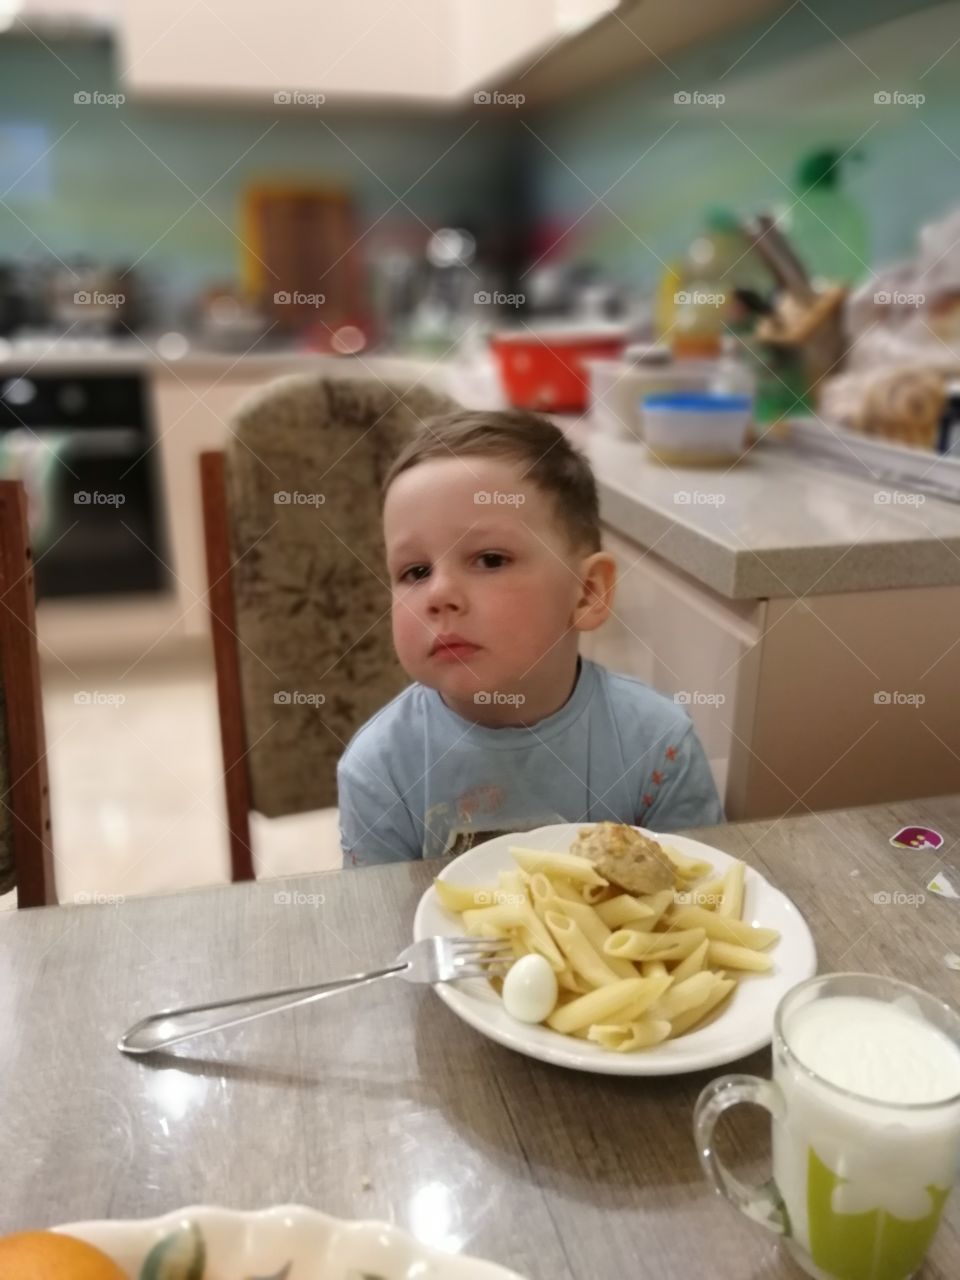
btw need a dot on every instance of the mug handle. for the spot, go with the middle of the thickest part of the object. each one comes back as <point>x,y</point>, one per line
<point>763,1203</point>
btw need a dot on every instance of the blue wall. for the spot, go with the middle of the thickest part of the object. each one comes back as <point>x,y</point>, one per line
<point>793,87</point>
<point>115,181</point>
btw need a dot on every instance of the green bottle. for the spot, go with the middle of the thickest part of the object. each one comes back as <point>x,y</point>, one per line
<point>827,227</point>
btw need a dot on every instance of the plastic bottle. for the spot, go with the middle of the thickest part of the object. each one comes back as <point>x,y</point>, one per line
<point>695,303</point>
<point>827,227</point>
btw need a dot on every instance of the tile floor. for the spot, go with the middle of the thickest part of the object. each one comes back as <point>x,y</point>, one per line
<point>136,789</point>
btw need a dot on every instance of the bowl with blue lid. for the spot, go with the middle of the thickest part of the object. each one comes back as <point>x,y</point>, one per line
<point>697,428</point>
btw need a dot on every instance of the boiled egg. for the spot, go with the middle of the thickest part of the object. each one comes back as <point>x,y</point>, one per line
<point>530,989</point>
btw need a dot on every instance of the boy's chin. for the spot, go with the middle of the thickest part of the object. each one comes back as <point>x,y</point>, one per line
<point>462,685</point>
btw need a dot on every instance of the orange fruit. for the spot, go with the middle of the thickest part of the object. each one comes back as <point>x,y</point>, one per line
<point>44,1255</point>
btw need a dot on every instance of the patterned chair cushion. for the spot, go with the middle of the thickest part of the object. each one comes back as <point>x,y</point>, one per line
<point>304,472</point>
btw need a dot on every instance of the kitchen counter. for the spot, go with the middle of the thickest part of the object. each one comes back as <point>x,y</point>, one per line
<point>757,596</point>
<point>778,524</point>
<point>134,353</point>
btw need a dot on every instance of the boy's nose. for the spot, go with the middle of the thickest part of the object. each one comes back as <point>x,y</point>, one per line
<point>445,593</point>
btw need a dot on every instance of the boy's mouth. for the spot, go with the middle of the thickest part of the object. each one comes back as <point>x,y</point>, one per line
<point>452,648</point>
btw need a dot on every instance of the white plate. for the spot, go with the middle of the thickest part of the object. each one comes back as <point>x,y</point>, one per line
<point>239,1245</point>
<point>745,1025</point>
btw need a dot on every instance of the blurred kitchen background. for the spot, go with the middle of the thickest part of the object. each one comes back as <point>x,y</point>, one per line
<point>195,198</point>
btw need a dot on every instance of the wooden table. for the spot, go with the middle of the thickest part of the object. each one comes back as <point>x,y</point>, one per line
<point>382,1104</point>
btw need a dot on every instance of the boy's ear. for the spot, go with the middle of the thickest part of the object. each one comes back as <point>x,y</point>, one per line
<point>598,578</point>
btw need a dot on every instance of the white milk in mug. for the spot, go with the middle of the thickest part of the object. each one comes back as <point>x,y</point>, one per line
<point>865,1102</point>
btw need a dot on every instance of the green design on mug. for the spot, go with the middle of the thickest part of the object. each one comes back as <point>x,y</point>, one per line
<point>874,1245</point>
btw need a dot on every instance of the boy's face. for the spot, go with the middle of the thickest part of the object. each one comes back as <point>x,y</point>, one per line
<point>484,590</point>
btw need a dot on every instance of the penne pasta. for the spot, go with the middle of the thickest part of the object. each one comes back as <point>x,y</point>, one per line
<point>658,904</point>
<point>565,890</point>
<point>686,1021</point>
<point>581,956</point>
<point>513,883</point>
<point>732,902</point>
<point>462,897</point>
<point>637,1008</point>
<point>566,865</point>
<point>654,968</point>
<point>594,930</point>
<point>694,962</point>
<point>727,956</point>
<point>503,916</point>
<point>630,1037</point>
<point>708,894</point>
<point>624,909</point>
<point>599,1006</point>
<point>723,928</point>
<point>687,869</point>
<point>684,996</point>
<point>629,945</point>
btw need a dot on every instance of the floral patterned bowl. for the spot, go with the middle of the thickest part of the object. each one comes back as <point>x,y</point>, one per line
<point>288,1242</point>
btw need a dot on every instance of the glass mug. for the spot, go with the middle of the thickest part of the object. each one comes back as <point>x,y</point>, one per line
<point>862,1169</point>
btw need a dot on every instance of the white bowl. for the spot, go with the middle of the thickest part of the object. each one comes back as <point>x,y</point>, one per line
<point>241,1245</point>
<point>696,429</point>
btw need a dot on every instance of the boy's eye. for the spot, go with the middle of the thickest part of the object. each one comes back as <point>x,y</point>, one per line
<point>492,559</point>
<point>416,573</point>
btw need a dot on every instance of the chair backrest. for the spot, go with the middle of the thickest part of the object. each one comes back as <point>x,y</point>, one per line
<point>311,598</point>
<point>26,853</point>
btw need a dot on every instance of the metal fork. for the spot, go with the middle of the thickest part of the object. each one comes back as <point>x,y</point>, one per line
<point>430,960</point>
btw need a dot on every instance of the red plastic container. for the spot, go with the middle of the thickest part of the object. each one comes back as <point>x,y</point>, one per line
<point>544,369</point>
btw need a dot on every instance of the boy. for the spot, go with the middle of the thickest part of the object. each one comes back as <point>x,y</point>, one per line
<point>492,536</point>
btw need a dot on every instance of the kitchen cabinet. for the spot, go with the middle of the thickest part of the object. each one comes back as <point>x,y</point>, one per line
<point>429,51</point>
<point>193,415</point>
<point>813,702</point>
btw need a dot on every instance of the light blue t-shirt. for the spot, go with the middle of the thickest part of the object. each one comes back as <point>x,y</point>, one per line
<point>418,780</point>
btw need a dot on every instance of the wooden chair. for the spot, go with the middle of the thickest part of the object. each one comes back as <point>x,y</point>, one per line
<point>299,603</point>
<point>26,853</point>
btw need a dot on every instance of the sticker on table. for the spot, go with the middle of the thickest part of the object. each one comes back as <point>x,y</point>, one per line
<point>917,838</point>
<point>943,885</point>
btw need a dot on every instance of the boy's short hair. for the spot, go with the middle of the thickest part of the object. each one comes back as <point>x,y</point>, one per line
<point>546,456</point>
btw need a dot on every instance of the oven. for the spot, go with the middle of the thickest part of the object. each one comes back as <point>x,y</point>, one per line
<point>82,443</point>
